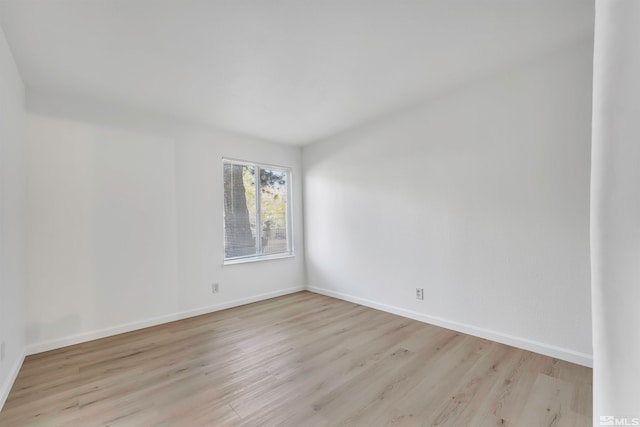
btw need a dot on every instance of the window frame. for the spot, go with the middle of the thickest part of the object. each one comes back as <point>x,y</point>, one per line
<point>288,214</point>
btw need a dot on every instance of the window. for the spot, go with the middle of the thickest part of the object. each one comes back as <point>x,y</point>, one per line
<point>257,211</point>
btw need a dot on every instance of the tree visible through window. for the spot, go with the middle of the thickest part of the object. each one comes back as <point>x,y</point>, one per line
<point>256,210</point>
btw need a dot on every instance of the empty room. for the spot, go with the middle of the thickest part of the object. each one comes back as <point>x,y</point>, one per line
<point>319,213</point>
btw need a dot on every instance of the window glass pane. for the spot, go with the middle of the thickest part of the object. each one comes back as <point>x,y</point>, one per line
<point>239,210</point>
<point>256,211</point>
<point>273,210</point>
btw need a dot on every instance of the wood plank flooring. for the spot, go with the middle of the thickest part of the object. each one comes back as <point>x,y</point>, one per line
<point>298,360</point>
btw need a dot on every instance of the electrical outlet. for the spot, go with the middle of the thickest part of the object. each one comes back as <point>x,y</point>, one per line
<point>419,293</point>
<point>2,351</point>
<point>215,287</point>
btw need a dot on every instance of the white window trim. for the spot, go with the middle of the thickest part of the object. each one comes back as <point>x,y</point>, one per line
<point>257,258</point>
<point>289,215</point>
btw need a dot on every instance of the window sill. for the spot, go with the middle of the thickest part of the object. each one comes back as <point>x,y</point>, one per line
<point>256,259</point>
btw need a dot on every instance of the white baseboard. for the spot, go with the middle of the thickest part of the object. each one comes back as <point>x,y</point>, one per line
<point>128,327</point>
<point>523,343</point>
<point>13,373</point>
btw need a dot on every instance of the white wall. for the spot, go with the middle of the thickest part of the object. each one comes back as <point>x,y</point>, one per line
<point>126,228</point>
<point>481,197</point>
<point>102,228</point>
<point>615,227</point>
<point>12,195</point>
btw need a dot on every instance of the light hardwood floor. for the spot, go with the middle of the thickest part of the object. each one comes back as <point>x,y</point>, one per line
<point>298,360</point>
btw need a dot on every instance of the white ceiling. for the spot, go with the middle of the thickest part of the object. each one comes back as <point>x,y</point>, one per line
<point>291,71</point>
